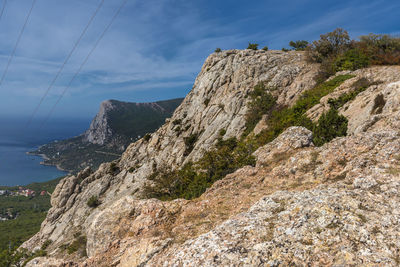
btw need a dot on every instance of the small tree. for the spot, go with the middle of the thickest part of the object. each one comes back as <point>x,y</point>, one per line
<point>299,45</point>
<point>253,46</point>
<point>218,50</point>
<point>329,45</point>
<point>265,48</point>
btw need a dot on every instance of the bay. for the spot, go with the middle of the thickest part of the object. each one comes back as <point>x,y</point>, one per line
<point>19,168</point>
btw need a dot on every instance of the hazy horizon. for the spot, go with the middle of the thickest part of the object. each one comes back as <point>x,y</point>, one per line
<point>147,55</point>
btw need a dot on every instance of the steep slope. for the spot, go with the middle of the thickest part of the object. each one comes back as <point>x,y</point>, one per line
<point>329,205</point>
<point>118,123</point>
<point>217,101</point>
<point>114,127</point>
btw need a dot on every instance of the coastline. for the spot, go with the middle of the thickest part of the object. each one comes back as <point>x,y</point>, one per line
<point>46,158</point>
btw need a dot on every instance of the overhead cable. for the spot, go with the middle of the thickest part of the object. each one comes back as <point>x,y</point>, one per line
<point>16,44</point>
<point>84,61</point>
<point>65,61</point>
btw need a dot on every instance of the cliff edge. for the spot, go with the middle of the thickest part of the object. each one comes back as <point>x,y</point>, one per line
<point>328,205</point>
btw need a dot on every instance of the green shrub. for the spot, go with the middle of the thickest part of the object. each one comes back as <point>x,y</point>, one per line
<point>93,202</point>
<point>330,125</point>
<point>285,49</point>
<point>326,70</point>
<point>382,49</point>
<point>206,101</point>
<point>113,168</point>
<point>261,102</point>
<point>45,245</point>
<point>284,117</point>
<point>253,46</point>
<point>190,141</point>
<point>147,137</point>
<point>265,48</point>
<point>335,51</point>
<point>194,178</point>
<point>178,130</point>
<point>329,45</point>
<point>218,50</point>
<point>359,86</point>
<point>177,121</point>
<point>299,45</point>
<point>352,59</point>
<point>79,244</point>
<point>312,97</point>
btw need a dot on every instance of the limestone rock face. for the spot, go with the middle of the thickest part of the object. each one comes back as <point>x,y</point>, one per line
<point>330,205</point>
<point>217,101</point>
<point>100,131</point>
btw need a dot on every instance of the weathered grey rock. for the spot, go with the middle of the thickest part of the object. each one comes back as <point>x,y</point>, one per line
<point>293,138</point>
<point>224,81</point>
<point>100,130</point>
<point>335,205</point>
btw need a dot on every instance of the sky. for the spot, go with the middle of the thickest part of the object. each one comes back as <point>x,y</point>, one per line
<point>155,48</point>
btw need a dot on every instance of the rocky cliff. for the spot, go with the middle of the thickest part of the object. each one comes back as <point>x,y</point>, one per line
<point>115,126</point>
<point>329,205</point>
<point>118,123</point>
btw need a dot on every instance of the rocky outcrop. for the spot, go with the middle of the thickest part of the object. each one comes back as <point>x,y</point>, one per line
<point>300,204</point>
<point>100,130</point>
<point>217,101</point>
<point>116,125</point>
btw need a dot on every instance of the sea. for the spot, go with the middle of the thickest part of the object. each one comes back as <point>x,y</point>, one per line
<point>19,168</point>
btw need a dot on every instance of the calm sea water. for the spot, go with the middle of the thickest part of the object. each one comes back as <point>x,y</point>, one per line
<point>18,168</point>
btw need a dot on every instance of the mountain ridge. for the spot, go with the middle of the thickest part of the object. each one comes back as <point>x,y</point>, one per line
<point>289,208</point>
<point>115,126</point>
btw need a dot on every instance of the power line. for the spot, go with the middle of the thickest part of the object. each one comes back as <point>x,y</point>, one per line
<point>16,44</point>
<point>65,62</point>
<point>84,62</point>
<point>3,8</point>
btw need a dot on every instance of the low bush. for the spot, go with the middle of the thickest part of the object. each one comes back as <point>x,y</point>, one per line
<point>352,59</point>
<point>194,178</point>
<point>261,102</point>
<point>113,168</point>
<point>177,122</point>
<point>336,52</point>
<point>218,50</point>
<point>147,137</point>
<point>252,46</point>
<point>299,45</point>
<point>190,141</point>
<point>284,117</point>
<point>45,245</point>
<point>358,87</point>
<point>265,48</point>
<point>93,202</point>
<point>79,244</point>
<point>329,126</point>
<point>382,49</point>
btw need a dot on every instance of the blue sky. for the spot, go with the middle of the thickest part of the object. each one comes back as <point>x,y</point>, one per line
<point>155,48</point>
